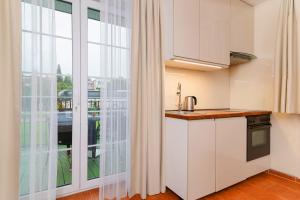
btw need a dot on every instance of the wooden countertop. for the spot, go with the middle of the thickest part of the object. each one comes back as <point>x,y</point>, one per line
<point>214,113</point>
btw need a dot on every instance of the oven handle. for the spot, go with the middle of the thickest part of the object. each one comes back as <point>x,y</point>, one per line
<point>259,126</point>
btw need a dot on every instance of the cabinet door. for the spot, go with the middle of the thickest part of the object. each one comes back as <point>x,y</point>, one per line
<point>176,156</point>
<point>230,151</point>
<point>242,27</point>
<point>186,28</point>
<point>201,158</point>
<point>214,31</point>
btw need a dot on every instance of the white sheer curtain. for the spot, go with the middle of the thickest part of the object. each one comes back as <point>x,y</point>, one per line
<point>114,166</point>
<point>38,146</point>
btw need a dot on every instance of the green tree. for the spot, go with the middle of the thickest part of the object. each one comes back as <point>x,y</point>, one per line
<point>63,82</point>
<point>59,74</point>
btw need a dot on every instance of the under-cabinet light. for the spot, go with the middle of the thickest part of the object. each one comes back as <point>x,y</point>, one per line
<point>200,64</point>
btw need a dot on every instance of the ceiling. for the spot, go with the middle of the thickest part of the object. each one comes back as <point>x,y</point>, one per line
<point>254,2</point>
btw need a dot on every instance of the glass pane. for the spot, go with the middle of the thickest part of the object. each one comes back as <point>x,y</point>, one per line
<point>64,168</point>
<point>41,163</point>
<point>64,130</point>
<point>24,171</point>
<point>63,25</point>
<point>31,46</point>
<point>115,158</point>
<point>27,53</point>
<point>99,57</point>
<point>47,20</point>
<point>48,43</point>
<point>64,71</point>
<point>117,37</point>
<point>42,131</point>
<point>94,127</point>
<point>25,131</point>
<point>64,56</point>
<point>93,111</point>
<point>93,162</point>
<point>37,58</point>
<point>108,77</point>
<point>98,60</point>
<point>93,30</point>
<point>259,138</point>
<point>104,33</point>
<point>123,72</point>
<point>65,108</point>
<point>124,37</point>
<point>30,17</point>
<point>94,60</point>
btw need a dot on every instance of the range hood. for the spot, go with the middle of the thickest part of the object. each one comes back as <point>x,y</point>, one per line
<point>240,57</point>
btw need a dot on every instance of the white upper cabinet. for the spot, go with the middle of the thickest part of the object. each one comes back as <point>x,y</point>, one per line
<point>186,28</point>
<point>242,27</point>
<point>214,31</point>
<point>198,31</point>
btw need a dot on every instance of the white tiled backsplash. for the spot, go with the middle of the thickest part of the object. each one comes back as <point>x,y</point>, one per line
<point>210,88</point>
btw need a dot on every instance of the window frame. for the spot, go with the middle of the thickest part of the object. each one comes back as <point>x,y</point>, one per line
<point>75,185</point>
<point>85,183</point>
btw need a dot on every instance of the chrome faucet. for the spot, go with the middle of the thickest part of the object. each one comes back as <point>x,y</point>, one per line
<point>179,96</point>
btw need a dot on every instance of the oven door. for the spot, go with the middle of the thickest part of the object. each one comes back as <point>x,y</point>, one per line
<point>258,141</point>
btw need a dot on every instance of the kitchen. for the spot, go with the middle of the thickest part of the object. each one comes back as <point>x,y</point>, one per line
<point>248,86</point>
<point>150,99</point>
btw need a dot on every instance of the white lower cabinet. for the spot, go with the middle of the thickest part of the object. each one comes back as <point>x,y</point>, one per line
<point>190,157</point>
<point>176,156</point>
<point>205,156</point>
<point>231,145</point>
<point>201,158</point>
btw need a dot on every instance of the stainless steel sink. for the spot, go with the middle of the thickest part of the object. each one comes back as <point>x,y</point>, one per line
<point>179,112</point>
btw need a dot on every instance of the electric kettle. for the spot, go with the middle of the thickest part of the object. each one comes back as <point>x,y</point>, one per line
<point>189,103</point>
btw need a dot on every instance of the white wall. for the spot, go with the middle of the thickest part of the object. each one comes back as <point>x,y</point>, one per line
<point>210,88</point>
<point>252,88</point>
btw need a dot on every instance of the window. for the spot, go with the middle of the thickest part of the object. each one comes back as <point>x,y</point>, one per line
<point>64,51</point>
<point>98,49</point>
<point>63,37</point>
<point>82,43</point>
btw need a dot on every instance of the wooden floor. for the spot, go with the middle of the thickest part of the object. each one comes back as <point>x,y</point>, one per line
<point>261,187</point>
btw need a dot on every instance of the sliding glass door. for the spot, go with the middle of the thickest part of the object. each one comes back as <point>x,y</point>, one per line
<point>64,92</point>
<point>67,20</point>
<point>91,80</point>
<point>104,93</point>
<point>37,40</point>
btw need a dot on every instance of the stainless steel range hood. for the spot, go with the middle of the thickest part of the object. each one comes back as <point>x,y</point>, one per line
<point>240,57</point>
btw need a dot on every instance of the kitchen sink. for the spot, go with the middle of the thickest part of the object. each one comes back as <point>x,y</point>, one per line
<point>179,112</point>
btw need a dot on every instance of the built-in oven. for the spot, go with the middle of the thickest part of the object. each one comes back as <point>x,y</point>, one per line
<point>258,136</point>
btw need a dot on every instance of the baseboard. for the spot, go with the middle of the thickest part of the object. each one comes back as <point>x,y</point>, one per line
<point>283,175</point>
